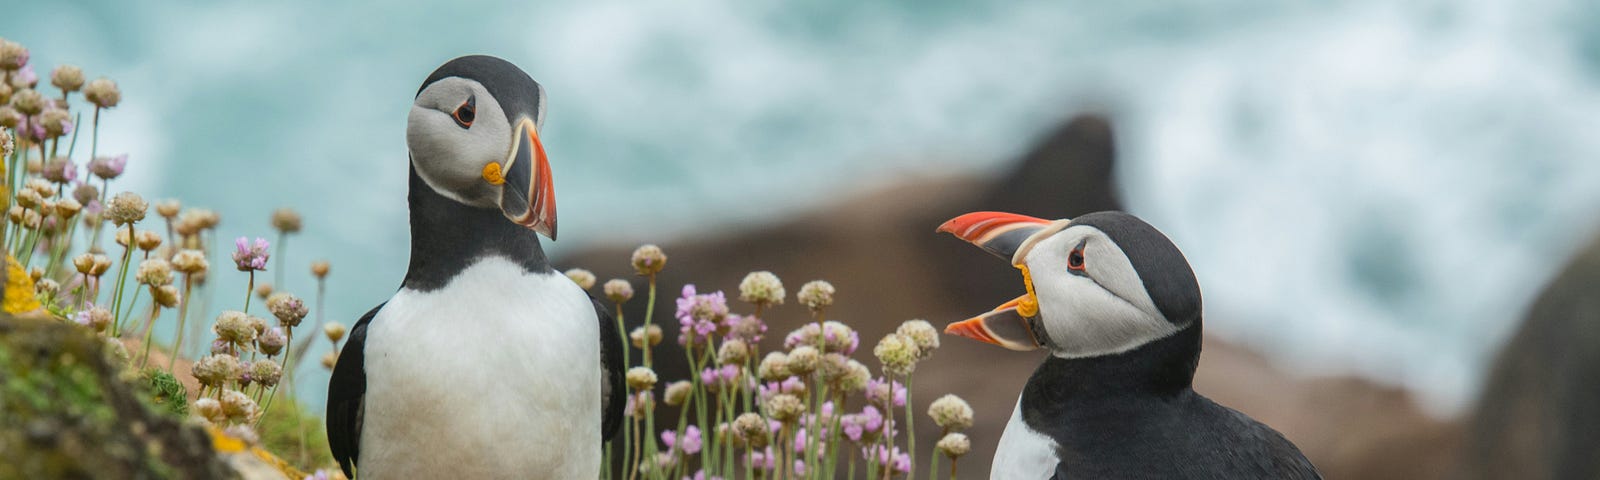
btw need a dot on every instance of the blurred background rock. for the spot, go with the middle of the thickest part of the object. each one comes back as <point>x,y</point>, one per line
<point>1372,193</point>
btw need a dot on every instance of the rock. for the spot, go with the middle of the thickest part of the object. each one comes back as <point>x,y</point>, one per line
<point>1539,415</point>
<point>68,411</point>
<point>880,250</point>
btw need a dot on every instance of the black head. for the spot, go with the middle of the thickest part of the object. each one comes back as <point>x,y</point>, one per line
<point>473,134</point>
<point>1100,284</point>
<point>1162,269</point>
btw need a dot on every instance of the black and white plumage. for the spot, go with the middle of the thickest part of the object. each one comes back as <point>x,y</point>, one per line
<point>487,363</point>
<point>1119,309</point>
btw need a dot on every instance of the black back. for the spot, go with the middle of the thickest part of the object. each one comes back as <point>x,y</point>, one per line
<point>346,388</point>
<point>614,387</point>
<point>1135,415</point>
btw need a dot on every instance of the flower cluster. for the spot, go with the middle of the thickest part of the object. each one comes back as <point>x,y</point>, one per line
<point>805,409</point>
<point>119,265</point>
<point>250,256</point>
<point>700,316</point>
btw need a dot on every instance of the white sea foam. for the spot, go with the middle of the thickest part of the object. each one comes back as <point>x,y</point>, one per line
<point>1363,186</point>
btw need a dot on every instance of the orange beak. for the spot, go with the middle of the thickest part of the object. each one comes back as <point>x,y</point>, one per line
<point>1008,236</point>
<point>528,196</point>
<point>1003,326</point>
<point>999,233</point>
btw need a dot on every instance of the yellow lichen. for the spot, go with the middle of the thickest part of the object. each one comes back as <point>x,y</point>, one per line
<point>19,296</point>
<point>227,444</point>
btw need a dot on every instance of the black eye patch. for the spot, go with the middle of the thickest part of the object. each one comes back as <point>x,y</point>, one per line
<point>467,112</point>
<point>1075,260</point>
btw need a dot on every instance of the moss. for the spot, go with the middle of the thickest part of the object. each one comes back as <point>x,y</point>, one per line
<point>68,411</point>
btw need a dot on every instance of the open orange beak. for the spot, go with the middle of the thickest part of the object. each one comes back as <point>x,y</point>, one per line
<point>1004,326</point>
<point>1008,236</point>
<point>528,196</point>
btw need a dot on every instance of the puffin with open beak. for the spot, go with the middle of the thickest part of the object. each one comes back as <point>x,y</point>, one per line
<point>1118,308</point>
<point>487,363</point>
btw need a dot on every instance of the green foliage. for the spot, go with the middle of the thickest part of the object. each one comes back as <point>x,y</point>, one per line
<point>166,392</point>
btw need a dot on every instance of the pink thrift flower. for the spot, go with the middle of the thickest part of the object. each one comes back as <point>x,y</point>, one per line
<point>899,461</point>
<point>108,167</point>
<point>763,460</point>
<point>699,316</point>
<point>746,327</point>
<point>882,392</point>
<point>689,443</point>
<point>249,256</point>
<point>63,171</point>
<point>25,75</point>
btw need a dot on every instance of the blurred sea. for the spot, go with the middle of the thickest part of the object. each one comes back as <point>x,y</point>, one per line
<point>1363,187</point>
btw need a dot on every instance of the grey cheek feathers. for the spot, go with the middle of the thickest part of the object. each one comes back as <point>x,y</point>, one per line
<point>450,159</point>
<point>1084,317</point>
<point>429,153</point>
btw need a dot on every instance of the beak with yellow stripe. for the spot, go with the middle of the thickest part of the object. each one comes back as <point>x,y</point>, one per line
<point>527,194</point>
<point>1014,324</point>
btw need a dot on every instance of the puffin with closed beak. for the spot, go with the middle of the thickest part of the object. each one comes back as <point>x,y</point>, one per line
<point>1118,308</point>
<point>487,363</point>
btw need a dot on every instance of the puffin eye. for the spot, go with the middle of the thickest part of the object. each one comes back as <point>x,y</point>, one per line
<point>1075,259</point>
<point>466,113</point>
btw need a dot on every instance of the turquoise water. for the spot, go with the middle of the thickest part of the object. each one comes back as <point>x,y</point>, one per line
<point>1367,187</point>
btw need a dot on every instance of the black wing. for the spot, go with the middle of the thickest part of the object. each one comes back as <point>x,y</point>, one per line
<point>613,391</point>
<point>345,391</point>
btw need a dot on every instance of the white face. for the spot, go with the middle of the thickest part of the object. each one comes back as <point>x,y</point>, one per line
<point>450,146</point>
<point>1096,306</point>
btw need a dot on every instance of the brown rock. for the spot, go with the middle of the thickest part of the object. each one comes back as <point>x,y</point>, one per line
<point>1539,416</point>
<point>880,250</point>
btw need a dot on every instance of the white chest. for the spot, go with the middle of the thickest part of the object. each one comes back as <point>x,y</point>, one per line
<point>1023,453</point>
<point>496,375</point>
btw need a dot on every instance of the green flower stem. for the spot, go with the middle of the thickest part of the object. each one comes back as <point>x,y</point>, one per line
<point>911,433</point>
<point>834,435</point>
<point>814,437</point>
<point>297,354</point>
<point>605,466</point>
<point>30,240</point>
<point>76,120</point>
<point>729,413</point>
<point>155,312</point>
<point>288,339</point>
<point>58,255</point>
<point>784,446</point>
<point>627,436</point>
<point>133,323</point>
<point>696,398</point>
<point>249,290</point>
<point>277,277</point>
<point>94,142</point>
<point>649,317</point>
<point>122,277</point>
<point>700,408</point>
<point>633,463</point>
<point>183,315</point>
<point>627,362</point>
